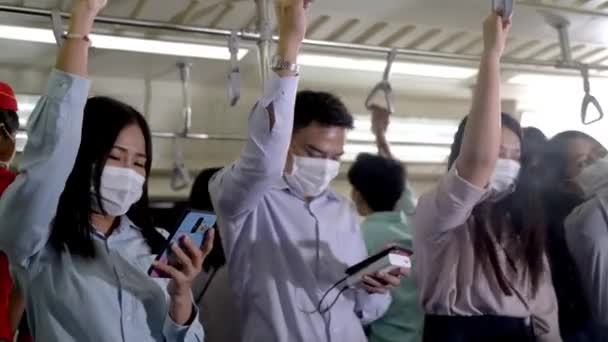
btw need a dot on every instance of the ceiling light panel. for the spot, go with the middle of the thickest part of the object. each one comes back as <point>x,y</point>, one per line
<point>108,42</point>
<point>377,65</point>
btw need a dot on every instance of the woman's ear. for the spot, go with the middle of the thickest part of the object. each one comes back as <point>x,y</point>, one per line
<point>362,207</point>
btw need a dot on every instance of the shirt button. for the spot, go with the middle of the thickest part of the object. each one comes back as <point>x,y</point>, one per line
<point>128,317</point>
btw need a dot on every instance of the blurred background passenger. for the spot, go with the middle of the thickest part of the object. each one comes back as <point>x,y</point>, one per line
<point>212,290</point>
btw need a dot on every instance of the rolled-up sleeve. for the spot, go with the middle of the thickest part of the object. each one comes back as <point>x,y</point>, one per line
<point>447,207</point>
<point>192,332</point>
<point>29,205</point>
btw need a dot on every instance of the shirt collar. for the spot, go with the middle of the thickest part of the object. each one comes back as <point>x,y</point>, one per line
<point>282,185</point>
<point>387,216</point>
<point>123,227</point>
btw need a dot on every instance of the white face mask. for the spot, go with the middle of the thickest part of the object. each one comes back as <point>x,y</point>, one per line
<point>120,189</point>
<point>502,182</point>
<point>311,176</point>
<point>594,177</point>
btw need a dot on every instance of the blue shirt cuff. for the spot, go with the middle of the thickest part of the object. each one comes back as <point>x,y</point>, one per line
<point>174,332</point>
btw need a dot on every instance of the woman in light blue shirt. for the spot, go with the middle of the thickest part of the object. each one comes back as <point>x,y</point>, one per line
<point>75,225</point>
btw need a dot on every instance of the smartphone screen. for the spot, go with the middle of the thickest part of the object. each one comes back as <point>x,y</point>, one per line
<point>193,224</point>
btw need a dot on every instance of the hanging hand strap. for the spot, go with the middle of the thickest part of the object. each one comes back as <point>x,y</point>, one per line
<point>384,86</point>
<point>57,26</point>
<point>180,177</point>
<point>234,74</point>
<point>185,75</point>
<point>589,99</point>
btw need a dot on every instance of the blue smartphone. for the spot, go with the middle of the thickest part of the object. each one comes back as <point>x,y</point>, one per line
<point>193,224</point>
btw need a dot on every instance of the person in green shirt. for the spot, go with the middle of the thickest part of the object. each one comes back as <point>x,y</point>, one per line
<point>382,196</point>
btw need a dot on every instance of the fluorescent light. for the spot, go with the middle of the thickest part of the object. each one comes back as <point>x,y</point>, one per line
<point>408,130</point>
<point>26,104</point>
<point>406,154</point>
<point>544,80</point>
<point>376,65</point>
<point>160,47</point>
<point>108,42</point>
<point>555,82</point>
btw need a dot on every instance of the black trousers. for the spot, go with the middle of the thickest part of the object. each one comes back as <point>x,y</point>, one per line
<point>477,329</point>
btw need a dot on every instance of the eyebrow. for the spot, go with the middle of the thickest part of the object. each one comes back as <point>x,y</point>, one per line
<point>322,152</point>
<point>139,154</point>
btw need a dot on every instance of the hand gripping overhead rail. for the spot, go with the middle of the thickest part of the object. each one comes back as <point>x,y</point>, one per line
<point>255,37</point>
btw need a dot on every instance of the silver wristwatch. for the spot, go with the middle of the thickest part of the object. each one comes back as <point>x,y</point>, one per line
<point>279,64</point>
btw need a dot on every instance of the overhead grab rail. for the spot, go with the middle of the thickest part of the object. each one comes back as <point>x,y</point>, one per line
<point>254,36</point>
<point>561,25</point>
<point>384,87</point>
<point>234,73</point>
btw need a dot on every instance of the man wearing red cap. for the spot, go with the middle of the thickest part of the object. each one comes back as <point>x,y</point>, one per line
<point>9,124</point>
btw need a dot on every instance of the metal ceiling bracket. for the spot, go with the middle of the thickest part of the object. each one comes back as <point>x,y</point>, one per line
<point>234,74</point>
<point>503,7</point>
<point>57,26</point>
<point>384,86</point>
<point>564,42</point>
<point>589,99</point>
<point>265,40</point>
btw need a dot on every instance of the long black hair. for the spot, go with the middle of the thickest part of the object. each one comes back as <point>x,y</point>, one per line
<point>104,119</point>
<point>559,201</point>
<point>491,220</point>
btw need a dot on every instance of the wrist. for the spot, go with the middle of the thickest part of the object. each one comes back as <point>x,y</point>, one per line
<point>288,50</point>
<point>491,54</point>
<point>181,298</point>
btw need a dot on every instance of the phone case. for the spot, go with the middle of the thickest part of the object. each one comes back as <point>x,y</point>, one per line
<point>193,224</point>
